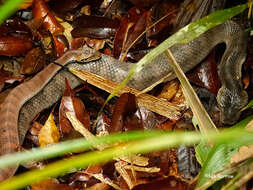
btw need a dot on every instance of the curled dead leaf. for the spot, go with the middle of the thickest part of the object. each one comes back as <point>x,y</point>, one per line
<point>71,103</point>
<point>60,44</point>
<point>41,10</point>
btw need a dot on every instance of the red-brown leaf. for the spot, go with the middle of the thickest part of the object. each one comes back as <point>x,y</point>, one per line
<point>71,103</point>
<point>14,46</point>
<point>206,74</point>
<point>41,10</point>
<point>94,169</point>
<point>60,45</point>
<point>34,61</point>
<point>135,31</point>
<point>131,26</point>
<point>50,184</point>
<point>162,29</point>
<point>124,109</point>
<point>170,183</point>
<point>143,3</point>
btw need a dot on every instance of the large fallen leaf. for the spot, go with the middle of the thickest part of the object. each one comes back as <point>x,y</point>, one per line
<point>41,10</point>
<point>71,103</point>
<point>49,133</point>
<point>94,27</point>
<point>63,6</point>
<point>14,46</point>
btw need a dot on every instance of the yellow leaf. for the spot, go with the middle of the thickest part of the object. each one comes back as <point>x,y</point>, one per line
<point>49,133</point>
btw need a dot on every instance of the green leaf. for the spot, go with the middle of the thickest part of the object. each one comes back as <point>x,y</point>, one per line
<point>202,150</point>
<point>250,104</point>
<point>218,157</point>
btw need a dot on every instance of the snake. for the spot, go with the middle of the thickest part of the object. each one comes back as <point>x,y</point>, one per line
<point>26,100</point>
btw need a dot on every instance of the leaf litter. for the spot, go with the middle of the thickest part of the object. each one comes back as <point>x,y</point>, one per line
<point>115,35</point>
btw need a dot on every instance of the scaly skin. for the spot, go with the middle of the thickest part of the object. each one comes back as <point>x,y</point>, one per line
<point>29,98</point>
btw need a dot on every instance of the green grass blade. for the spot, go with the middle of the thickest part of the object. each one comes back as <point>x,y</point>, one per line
<point>162,142</point>
<point>218,157</point>
<point>8,8</point>
<point>250,104</point>
<point>37,154</point>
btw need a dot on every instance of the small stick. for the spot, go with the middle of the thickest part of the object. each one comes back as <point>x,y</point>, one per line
<point>157,105</point>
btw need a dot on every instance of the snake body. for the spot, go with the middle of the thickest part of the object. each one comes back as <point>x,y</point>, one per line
<point>28,99</point>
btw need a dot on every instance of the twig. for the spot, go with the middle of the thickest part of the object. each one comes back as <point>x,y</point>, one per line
<point>152,103</point>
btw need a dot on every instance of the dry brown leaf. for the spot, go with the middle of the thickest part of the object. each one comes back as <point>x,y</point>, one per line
<point>244,153</point>
<point>50,184</point>
<point>49,134</point>
<point>169,90</point>
<point>34,61</point>
<point>99,186</point>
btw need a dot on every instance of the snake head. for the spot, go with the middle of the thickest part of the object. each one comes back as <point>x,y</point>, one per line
<point>231,103</point>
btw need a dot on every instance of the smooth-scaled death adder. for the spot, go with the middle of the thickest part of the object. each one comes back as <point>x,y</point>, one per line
<point>26,100</point>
